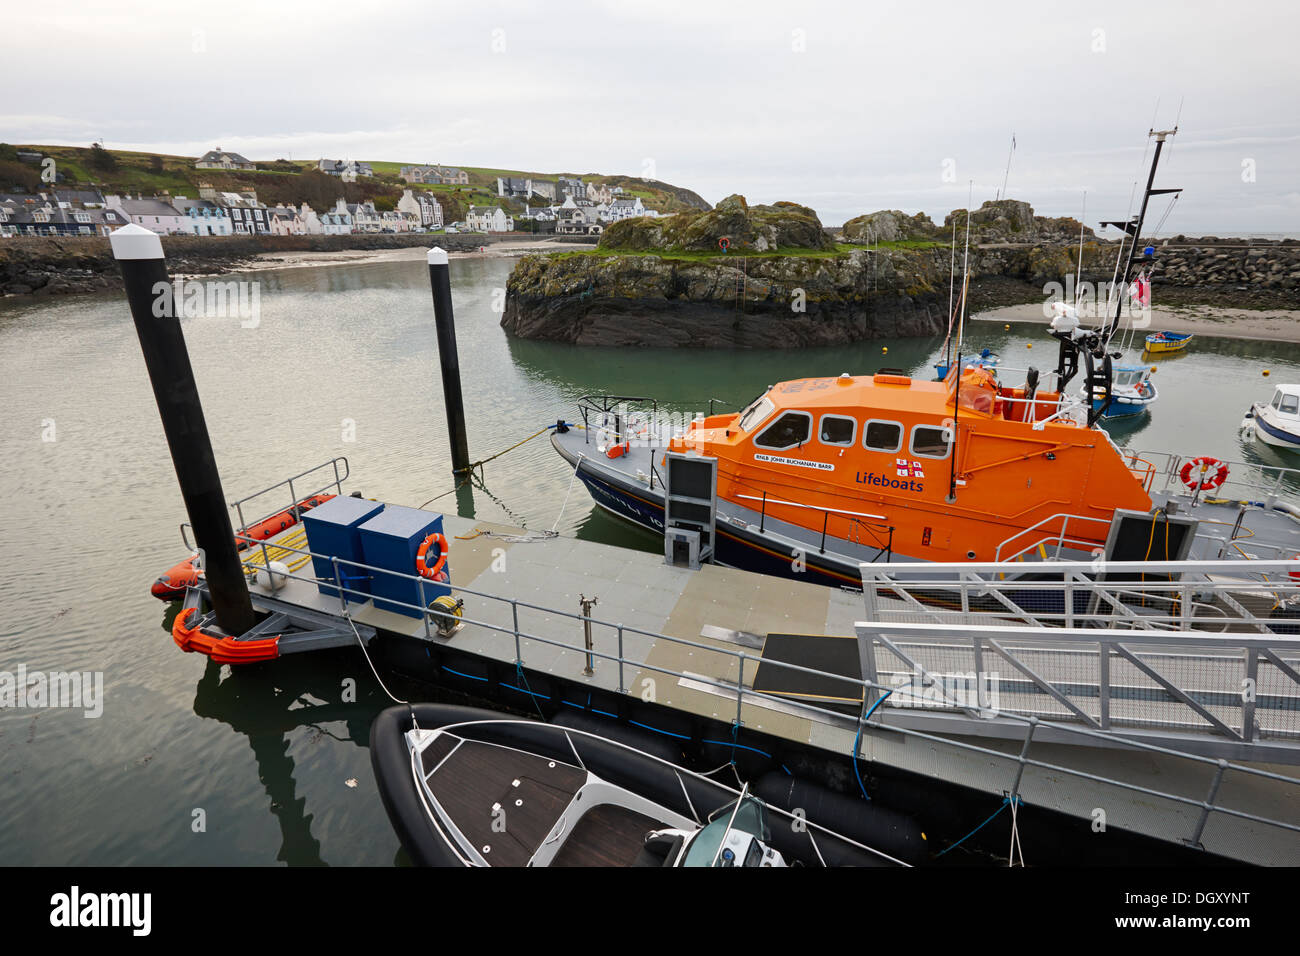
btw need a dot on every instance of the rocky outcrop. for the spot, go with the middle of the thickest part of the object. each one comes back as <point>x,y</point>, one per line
<point>889,225</point>
<point>782,225</point>
<point>792,301</point>
<point>727,302</point>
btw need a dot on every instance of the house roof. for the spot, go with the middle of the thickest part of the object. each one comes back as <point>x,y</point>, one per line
<point>149,207</point>
<point>215,156</point>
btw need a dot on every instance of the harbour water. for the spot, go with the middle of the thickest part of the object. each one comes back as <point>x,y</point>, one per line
<point>191,764</point>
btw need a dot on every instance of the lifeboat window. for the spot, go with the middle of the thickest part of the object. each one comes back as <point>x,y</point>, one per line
<point>838,430</point>
<point>788,431</point>
<point>1277,400</point>
<point>883,436</point>
<point>758,410</point>
<point>931,441</point>
<point>1290,403</point>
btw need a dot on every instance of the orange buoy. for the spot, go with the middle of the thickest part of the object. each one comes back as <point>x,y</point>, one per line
<point>421,563</point>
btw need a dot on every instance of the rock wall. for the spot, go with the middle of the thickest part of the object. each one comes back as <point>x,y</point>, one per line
<point>57,265</point>
<point>800,301</point>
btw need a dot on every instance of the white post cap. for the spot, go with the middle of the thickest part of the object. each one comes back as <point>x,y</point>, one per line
<point>135,242</point>
<point>437,256</point>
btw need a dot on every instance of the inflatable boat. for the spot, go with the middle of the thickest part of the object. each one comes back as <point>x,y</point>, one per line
<point>171,585</point>
<point>467,787</point>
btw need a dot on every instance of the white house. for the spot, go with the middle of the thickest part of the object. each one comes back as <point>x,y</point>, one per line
<point>156,215</point>
<point>365,218</point>
<point>421,204</point>
<point>488,219</point>
<point>624,208</point>
<point>311,224</point>
<point>204,217</point>
<point>220,159</point>
<point>338,221</point>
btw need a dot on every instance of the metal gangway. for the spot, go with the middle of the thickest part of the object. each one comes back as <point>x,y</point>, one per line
<point>1198,656</point>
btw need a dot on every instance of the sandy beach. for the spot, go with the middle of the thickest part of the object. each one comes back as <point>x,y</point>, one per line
<point>1263,324</point>
<point>420,246</point>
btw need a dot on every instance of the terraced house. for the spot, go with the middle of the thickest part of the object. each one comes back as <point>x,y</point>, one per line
<point>206,218</point>
<point>53,214</point>
<point>488,219</point>
<point>421,204</point>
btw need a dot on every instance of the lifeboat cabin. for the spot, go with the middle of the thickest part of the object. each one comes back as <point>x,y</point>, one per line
<point>963,469</point>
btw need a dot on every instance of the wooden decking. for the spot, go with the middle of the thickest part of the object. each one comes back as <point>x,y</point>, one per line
<point>505,801</point>
<point>606,835</point>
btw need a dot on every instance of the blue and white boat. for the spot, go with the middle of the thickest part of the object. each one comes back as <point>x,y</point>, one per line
<point>1278,422</point>
<point>1132,392</point>
<point>987,358</point>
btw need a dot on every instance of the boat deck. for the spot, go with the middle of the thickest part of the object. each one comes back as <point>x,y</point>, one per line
<point>479,784</point>
<point>707,618</point>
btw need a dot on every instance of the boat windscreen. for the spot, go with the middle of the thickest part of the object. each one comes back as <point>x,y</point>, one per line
<point>750,818</point>
<point>758,410</point>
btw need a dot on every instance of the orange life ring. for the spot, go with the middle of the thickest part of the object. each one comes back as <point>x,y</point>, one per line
<point>421,565</point>
<point>1204,463</point>
<point>1294,574</point>
<point>618,451</point>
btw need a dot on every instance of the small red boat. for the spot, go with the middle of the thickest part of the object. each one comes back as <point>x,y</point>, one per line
<point>172,584</point>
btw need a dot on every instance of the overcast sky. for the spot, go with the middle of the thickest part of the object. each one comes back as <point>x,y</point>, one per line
<point>846,107</point>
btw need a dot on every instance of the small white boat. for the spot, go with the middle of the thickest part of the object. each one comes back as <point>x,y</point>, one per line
<point>1132,392</point>
<point>1278,422</point>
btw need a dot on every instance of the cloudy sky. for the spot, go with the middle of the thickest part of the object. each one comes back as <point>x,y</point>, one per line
<point>847,107</point>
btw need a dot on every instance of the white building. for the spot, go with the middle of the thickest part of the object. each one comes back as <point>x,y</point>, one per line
<point>338,221</point>
<point>421,204</point>
<point>624,208</point>
<point>488,219</point>
<point>156,215</point>
<point>311,223</point>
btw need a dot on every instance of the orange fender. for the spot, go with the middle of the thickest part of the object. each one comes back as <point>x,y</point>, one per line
<point>223,650</point>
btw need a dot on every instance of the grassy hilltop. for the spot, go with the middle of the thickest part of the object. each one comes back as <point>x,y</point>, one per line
<point>284,181</point>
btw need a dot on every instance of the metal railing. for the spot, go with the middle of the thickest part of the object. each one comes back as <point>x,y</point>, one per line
<point>295,496</point>
<point>1260,480</point>
<point>1218,651</point>
<point>609,651</point>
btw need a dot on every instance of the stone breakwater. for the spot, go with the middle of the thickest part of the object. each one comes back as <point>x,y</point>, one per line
<point>801,300</point>
<point>57,265</point>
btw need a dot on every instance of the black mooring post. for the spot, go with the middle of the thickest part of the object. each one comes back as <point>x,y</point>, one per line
<point>444,320</point>
<point>148,290</point>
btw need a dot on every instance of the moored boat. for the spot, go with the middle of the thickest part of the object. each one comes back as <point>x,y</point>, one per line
<point>1159,343</point>
<point>466,787</point>
<point>1276,422</point>
<point>1131,393</point>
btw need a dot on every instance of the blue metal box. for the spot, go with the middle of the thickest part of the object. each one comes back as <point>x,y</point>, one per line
<point>389,541</point>
<point>332,531</point>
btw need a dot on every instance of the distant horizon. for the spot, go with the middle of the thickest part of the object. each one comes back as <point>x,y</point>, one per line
<point>937,218</point>
<point>843,108</point>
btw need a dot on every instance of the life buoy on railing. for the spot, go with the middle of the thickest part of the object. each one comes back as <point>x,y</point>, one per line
<point>1200,482</point>
<point>1294,574</point>
<point>619,450</point>
<point>421,563</point>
